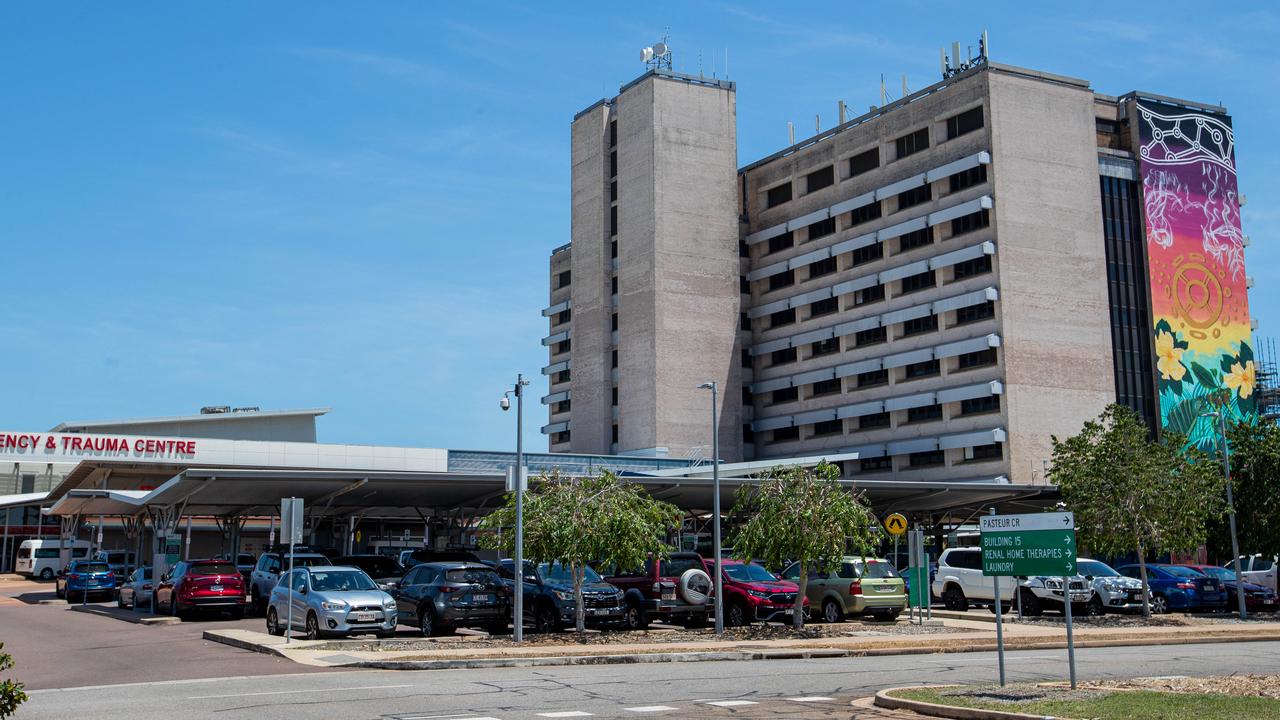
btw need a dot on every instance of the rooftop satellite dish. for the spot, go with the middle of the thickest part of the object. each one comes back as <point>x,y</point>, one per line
<point>646,54</point>
<point>660,49</point>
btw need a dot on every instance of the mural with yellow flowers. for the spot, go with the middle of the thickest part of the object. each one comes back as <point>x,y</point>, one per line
<point>1195,249</point>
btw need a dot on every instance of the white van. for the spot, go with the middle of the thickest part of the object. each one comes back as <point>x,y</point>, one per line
<point>39,558</point>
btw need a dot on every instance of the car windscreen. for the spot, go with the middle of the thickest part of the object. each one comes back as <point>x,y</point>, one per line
<point>245,559</point>
<point>475,576</point>
<point>340,580</point>
<point>1221,573</point>
<point>1182,571</point>
<point>749,573</point>
<point>213,568</point>
<point>374,565</point>
<point>879,570</point>
<point>1095,569</point>
<point>557,573</point>
<point>676,566</point>
<point>306,560</point>
<point>92,567</point>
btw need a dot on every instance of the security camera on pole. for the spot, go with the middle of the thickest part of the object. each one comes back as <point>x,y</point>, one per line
<point>518,482</point>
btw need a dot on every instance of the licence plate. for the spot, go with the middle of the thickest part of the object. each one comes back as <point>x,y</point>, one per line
<point>215,588</point>
<point>364,616</point>
<point>598,611</point>
<point>1269,601</point>
<point>482,598</point>
<point>884,588</point>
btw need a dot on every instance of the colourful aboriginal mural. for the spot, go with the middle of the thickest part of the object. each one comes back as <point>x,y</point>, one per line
<point>1195,247</point>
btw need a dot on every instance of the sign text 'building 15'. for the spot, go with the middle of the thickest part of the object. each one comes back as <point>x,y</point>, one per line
<point>1027,545</point>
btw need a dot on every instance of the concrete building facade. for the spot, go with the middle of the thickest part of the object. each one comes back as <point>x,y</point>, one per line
<point>934,285</point>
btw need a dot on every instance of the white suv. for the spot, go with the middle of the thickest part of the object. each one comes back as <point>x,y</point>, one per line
<point>960,581</point>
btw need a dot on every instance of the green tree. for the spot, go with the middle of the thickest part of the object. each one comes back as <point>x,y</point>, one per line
<point>1255,482</point>
<point>11,694</point>
<point>805,515</point>
<point>577,520</point>
<point>1132,494</point>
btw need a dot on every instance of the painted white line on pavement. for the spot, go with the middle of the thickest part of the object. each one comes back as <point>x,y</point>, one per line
<point>451,716</point>
<point>815,698</point>
<point>299,692</point>
<point>732,703</point>
<point>650,708</point>
<point>196,681</point>
<point>567,713</point>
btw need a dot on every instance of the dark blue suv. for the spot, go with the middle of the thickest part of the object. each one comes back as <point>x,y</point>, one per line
<point>548,596</point>
<point>83,578</point>
<point>1174,587</point>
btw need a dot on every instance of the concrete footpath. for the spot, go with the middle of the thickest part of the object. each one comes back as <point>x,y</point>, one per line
<point>968,636</point>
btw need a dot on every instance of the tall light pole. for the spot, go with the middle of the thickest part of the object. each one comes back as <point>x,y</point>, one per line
<point>517,621</point>
<point>715,501</point>
<point>1231,508</point>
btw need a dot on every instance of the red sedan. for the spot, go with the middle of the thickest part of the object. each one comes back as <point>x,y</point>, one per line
<point>201,585</point>
<point>1257,598</point>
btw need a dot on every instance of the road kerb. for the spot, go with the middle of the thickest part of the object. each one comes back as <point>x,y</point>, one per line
<point>889,702</point>
<point>127,616</point>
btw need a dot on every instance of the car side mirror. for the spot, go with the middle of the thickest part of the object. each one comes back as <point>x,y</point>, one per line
<point>533,579</point>
<point>392,585</point>
<point>1089,578</point>
<point>302,590</point>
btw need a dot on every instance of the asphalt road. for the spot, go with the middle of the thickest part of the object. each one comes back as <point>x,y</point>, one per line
<point>754,689</point>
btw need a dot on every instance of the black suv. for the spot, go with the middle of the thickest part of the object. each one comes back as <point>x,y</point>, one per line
<point>443,595</point>
<point>548,596</point>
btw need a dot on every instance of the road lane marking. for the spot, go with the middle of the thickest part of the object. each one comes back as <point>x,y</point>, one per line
<point>567,713</point>
<point>650,708</point>
<point>732,703</point>
<point>815,698</point>
<point>299,692</point>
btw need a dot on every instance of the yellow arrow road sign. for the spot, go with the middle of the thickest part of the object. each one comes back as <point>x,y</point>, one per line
<point>896,524</point>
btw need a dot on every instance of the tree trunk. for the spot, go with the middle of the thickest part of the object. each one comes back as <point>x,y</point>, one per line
<point>1142,574</point>
<point>797,608</point>
<point>579,611</point>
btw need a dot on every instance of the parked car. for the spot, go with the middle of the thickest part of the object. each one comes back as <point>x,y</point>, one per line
<point>668,589</point>
<point>409,558</point>
<point>1044,592</point>
<point>85,578</point>
<point>1112,590</point>
<point>1258,569</point>
<point>1174,587</point>
<point>1257,598</point>
<point>548,595</point>
<point>753,593</point>
<point>121,562</point>
<point>382,569</point>
<point>960,582</point>
<point>854,587</point>
<point>136,590</point>
<point>271,565</point>
<point>244,562</point>
<point>42,558</point>
<point>439,596</point>
<point>195,585</point>
<point>330,600</point>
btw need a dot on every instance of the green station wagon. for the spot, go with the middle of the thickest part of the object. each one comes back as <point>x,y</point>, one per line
<point>854,588</point>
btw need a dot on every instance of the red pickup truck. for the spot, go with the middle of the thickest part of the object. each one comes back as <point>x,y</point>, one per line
<point>671,589</point>
<point>752,593</point>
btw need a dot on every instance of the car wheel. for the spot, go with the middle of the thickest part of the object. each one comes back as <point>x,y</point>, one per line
<point>635,618</point>
<point>427,622</point>
<point>1031,606</point>
<point>257,602</point>
<point>999,608</point>
<point>831,612</point>
<point>736,615</point>
<point>953,598</point>
<point>46,574</point>
<point>1159,604</point>
<point>58,593</point>
<point>1094,607</point>
<point>313,627</point>
<point>545,619</point>
<point>119,601</point>
<point>273,623</point>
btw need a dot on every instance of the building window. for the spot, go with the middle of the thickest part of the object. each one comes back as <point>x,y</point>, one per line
<point>613,321</point>
<point>613,164</point>
<point>915,239</point>
<point>924,414</point>
<point>613,220</point>
<point>563,406</point>
<point>865,213</point>
<point>971,222</point>
<point>875,293</point>
<point>965,122</point>
<point>614,395</point>
<point>974,313</point>
<point>870,337</point>
<point>560,438</point>
<point>782,317</point>
<point>826,387</point>
<point>830,346</point>
<point>562,280</point>
<point>613,191</point>
<point>744,250</point>
<point>828,427</point>
<point>744,285</point>
<point>562,377</point>
<point>871,378</point>
<point>785,395</point>
<point>918,326</point>
<point>930,458</point>
<point>781,242</point>
<point>782,357</point>
<point>970,268</point>
<point>874,420</point>
<point>920,281</point>
<point>786,433</point>
<point>748,435</point>
<point>613,133</point>
<point>564,346</point>
<point>613,285</point>
<point>913,143</point>
<point>915,196</point>
<point>822,228</point>
<point>915,371</point>
<point>878,464</point>
<point>614,359</point>
<point>777,196</point>
<point>968,178</point>
<point>615,433</point>
<point>863,162</point>
<point>980,406</point>
<point>818,179</point>
<point>563,316</point>
<point>744,360</point>
<point>613,249</point>
<point>786,278</point>
<point>744,321</point>
<point>867,253</point>
<point>824,307</point>
<point>979,453</point>
<point>981,358</point>
<point>825,266</point>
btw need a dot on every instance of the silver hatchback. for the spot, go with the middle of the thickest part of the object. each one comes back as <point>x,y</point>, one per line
<point>330,600</point>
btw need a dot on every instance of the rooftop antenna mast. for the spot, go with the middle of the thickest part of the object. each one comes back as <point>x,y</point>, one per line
<point>657,56</point>
<point>953,66</point>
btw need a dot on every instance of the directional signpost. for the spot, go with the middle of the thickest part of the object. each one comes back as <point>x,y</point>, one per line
<point>1026,545</point>
<point>895,524</point>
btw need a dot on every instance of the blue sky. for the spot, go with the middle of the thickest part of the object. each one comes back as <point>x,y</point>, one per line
<point>352,204</point>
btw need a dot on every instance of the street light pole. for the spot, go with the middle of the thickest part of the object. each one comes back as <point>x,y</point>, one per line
<point>715,502</point>
<point>517,621</point>
<point>1231,509</point>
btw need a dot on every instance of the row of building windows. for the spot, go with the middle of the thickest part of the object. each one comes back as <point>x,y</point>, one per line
<point>913,283</point>
<point>878,378</point>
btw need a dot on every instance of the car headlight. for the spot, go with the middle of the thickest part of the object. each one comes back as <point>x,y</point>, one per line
<point>758,593</point>
<point>339,605</point>
<point>389,604</point>
<point>1053,584</point>
<point>618,594</point>
<point>565,596</point>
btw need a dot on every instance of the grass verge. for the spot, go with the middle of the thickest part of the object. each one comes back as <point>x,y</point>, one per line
<point>1101,705</point>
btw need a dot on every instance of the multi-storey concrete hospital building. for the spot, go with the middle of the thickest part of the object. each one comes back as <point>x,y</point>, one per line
<point>940,285</point>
